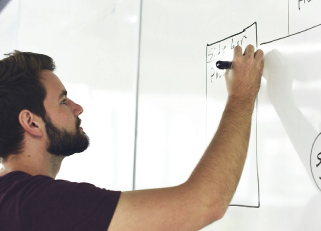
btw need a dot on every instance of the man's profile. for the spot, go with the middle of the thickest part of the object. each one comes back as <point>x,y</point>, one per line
<point>41,126</point>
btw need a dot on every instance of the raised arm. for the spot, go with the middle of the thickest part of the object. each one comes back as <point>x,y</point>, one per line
<point>205,196</point>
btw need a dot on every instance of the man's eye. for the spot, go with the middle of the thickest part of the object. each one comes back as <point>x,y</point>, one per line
<point>64,101</point>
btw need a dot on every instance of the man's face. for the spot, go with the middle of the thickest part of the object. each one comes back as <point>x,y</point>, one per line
<point>65,136</point>
<point>65,143</point>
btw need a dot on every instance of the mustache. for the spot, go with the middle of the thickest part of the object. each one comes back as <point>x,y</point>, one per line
<point>78,122</point>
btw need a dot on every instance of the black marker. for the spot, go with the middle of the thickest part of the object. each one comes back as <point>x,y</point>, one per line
<point>223,65</point>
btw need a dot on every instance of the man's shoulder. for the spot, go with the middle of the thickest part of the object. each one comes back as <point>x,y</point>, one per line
<point>39,184</point>
<point>13,175</point>
<point>40,196</point>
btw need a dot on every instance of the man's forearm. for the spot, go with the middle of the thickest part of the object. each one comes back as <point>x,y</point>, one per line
<point>218,172</point>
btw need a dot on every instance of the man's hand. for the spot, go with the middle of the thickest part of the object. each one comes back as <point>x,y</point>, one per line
<point>244,78</point>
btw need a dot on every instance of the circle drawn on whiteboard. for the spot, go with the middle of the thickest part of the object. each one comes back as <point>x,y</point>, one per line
<point>315,161</point>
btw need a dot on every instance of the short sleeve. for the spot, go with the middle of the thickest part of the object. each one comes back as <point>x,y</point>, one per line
<point>58,205</point>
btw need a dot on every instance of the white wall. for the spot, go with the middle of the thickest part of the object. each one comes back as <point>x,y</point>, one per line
<point>94,45</point>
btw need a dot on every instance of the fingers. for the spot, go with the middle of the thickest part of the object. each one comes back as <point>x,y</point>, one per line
<point>249,50</point>
<point>237,51</point>
<point>259,54</point>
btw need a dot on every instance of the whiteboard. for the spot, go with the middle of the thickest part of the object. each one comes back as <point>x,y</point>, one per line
<point>175,104</point>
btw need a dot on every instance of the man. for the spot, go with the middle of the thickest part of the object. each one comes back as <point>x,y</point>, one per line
<point>41,126</point>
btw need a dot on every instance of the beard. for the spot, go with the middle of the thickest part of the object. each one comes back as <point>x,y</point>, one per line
<point>65,143</point>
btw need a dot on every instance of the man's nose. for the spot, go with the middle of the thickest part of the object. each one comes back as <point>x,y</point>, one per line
<point>77,109</point>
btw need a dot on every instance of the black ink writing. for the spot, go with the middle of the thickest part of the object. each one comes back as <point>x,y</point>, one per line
<point>216,73</point>
<point>220,49</point>
<point>213,52</point>
<point>303,1</point>
<point>319,158</point>
<point>238,42</point>
<point>210,54</point>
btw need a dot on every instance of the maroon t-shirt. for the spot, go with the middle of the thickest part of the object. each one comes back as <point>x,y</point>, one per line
<point>40,203</point>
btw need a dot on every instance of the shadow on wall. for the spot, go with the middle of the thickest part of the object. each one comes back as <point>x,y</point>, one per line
<point>3,4</point>
<point>281,69</point>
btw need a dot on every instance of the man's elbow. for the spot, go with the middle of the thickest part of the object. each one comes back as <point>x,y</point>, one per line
<point>210,207</point>
<point>215,207</point>
<point>215,213</point>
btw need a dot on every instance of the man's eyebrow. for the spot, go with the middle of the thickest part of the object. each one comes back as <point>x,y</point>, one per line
<point>62,94</point>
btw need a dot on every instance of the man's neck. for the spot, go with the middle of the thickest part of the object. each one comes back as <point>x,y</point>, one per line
<point>47,164</point>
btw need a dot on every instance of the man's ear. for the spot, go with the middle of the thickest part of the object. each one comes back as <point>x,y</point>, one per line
<point>31,123</point>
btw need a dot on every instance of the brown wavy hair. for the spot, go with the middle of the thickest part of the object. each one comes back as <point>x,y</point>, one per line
<point>20,88</point>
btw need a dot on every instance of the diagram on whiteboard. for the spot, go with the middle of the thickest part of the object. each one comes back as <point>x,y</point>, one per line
<point>315,160</point>
<point>247,193</point>
<point>303,14</point>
